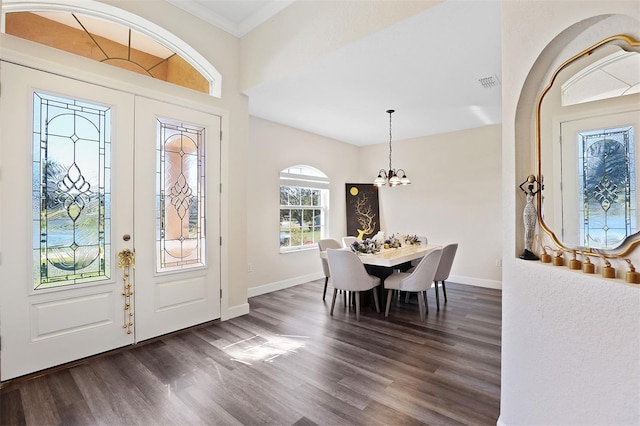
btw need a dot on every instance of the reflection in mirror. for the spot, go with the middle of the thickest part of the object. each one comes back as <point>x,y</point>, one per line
<point>614,75</point>
<point>587,129</point>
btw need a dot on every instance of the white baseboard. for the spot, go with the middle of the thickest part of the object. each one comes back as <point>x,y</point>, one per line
<point>234,311</point>
<point>478,282</point>
<point>279,285</point>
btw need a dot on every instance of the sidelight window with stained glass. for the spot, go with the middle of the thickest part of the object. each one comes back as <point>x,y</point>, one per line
<point>180,196</point>
<point>71,191</point>
<point>607,177</point>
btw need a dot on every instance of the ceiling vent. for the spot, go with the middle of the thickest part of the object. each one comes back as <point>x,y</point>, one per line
<point>489,82</point>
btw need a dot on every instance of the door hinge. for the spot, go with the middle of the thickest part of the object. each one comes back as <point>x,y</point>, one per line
<point>220,293</point>
<point>220,240</point>
<point>221,188</point>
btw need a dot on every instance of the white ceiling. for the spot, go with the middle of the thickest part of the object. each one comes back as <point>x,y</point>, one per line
<point>237,17</point>
<point>426,67</point>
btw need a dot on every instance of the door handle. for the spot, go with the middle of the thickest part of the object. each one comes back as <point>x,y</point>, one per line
<point>126,263</point>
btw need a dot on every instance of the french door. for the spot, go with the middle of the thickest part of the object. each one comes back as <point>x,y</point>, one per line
<point>176,217</point>
<point>109,219</point>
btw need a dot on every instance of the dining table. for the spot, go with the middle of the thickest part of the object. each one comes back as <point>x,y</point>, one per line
<point>392,257</point>
<point>386,261</point>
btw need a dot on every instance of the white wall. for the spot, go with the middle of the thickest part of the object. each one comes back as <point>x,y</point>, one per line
<point>570,342</point>
<point>454,196</point>
<point>272,148</point>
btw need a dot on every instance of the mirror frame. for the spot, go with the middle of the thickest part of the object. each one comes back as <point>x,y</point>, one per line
<point>633,240</point>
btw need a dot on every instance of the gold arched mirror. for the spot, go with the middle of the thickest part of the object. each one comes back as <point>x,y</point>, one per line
<point>587,129</point>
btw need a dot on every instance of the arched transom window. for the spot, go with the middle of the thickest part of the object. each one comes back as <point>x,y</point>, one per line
<point>112,36</point>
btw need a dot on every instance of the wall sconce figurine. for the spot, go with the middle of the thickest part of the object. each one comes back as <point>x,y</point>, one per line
<point>530,216</point>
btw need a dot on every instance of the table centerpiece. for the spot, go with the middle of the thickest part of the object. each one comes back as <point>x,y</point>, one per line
<point>366,246</point>
<point>412,240</point>
<point>392,242</point>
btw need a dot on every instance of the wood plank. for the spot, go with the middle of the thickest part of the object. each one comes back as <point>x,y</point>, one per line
<point>11,408</point>
<point>289,362</point>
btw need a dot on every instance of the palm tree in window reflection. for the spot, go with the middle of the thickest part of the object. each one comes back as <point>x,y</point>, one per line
<point>71,212</point>
<point>607,173</point>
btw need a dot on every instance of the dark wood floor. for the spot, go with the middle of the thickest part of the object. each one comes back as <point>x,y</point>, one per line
<point>289,363</point>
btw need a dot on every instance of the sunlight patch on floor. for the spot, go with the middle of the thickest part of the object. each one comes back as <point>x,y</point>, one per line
<point>266,349</point>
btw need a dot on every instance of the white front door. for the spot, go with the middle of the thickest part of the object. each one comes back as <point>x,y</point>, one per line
<point>177,183</point>
<point>80,184</point>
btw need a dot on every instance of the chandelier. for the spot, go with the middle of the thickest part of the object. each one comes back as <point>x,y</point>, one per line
<point>392,177</point>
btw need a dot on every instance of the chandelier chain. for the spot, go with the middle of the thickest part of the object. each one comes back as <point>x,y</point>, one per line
<point>390,112</point>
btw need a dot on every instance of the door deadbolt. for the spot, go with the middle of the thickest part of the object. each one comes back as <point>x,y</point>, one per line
<point>126,237</point>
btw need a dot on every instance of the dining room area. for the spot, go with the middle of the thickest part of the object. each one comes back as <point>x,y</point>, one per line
<point>448,350</point>
<point>451,198</point>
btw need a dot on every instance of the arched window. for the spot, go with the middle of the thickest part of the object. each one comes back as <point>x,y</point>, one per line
<point>111,35</point>
<point>304,202</point>
<point>610,77</point>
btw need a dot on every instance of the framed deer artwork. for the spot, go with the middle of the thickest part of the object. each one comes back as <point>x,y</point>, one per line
<point>363,215</point>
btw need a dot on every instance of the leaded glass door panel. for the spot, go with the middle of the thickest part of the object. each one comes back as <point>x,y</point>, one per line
<point>63,215</point>
<point>71,183</point>
<point>607,186</point>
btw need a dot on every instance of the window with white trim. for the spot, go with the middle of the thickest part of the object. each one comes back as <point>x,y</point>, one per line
<point>304,201</point>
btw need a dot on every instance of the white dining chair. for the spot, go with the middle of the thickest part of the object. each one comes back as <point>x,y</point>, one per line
<point>418,281</point>
<point>444,269</point>
<point>348,273</point>
<point>323,245</point>
<point>347,241</point>
<point>423,241</point>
